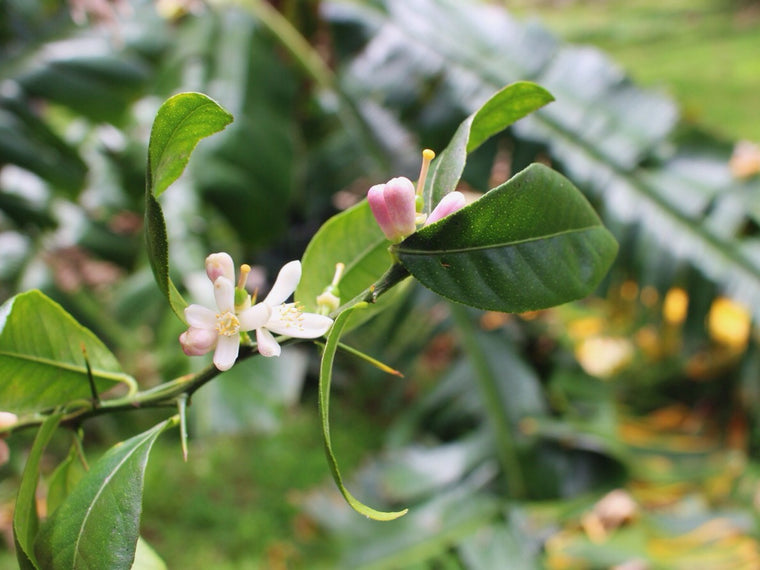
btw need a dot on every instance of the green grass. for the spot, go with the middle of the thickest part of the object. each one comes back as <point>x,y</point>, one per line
<point>702,52</point>
<point>234,504</point>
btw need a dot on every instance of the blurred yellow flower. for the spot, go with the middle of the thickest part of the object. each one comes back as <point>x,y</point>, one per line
<point>675,306</point>
<point>604,356</point>
<point>729,323</point>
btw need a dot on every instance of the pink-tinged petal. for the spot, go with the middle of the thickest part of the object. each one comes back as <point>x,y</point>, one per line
<point>226,352</point>
<point>254,317</point>
<point>5,452</point>
<point>266,343</point>
<point>305,325</point>
<point>400,201</point>
<point>196,341</point>
<point>224,293</point>
<point>376,199</point>
<point>8,419</point>
<point>286,282</point>
<point>200,317</point>
<point>220,265</point>
<point>449,204</point>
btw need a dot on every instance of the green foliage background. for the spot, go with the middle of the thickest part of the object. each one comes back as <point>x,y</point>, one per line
<point>320,117</point>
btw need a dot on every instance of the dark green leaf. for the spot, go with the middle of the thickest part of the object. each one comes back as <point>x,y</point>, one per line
<point>181,122</point>
<point>42,364</point>
<point>507,106</point>
<point>25,518</point>
<point>325,378</point>
<point>97,526</point>
<point>532,243</point>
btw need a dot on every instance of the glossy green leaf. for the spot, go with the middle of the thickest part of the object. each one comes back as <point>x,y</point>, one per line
<point>25,518</point>
<point>353,238</point>
<point>511,103</point>
<point>532,243</point>
<point>42,363</point>
<point>325,378</point>
<point>181,122</point>
<point>97,525</point>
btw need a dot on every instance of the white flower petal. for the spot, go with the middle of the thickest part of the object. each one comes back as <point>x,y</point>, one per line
<point>254,317</point>
<point>266,344</point>
<point>308,325</point>
<point>226,352</point>
<point>286,282</point>
<point>200,317</point>
<point>224,293</point>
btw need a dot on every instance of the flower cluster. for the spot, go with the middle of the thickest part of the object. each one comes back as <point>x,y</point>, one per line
<point>220,330</point>
<point>395,204</point>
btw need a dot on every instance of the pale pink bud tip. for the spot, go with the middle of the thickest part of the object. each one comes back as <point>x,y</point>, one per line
<point>393,206</point>
<point>449,204</point>
<point>8,419</point>
<point>196,341</point>
<point>220,265</point>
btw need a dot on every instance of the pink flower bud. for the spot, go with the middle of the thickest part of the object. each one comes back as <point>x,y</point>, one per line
<point>8,419</point>
<point>196,341</point>
<point>449,204</point>
<point>393,205</point>
<point>220,265</point>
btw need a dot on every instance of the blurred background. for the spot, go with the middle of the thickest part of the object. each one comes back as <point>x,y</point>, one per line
<point>624,431</point>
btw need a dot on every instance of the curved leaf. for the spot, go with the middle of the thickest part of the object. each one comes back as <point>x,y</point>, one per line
<point>181,122</point>
<point>97,525</point>
<point>532,243</point>
<point>25,518</point>
<point>325,378</point>
<point>42,364</point>
<point>511,103</point>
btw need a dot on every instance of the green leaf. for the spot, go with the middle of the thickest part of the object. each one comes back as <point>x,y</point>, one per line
<point>146,558</point>
<point>325,378</point>
<point>532,243</point>
<point>181,122</point>
<point>25,518</point>
<point>511,103</point>
<point>353,238</point>
<point>42,364</point>
<point>65,477</point>
<point>97,526</point>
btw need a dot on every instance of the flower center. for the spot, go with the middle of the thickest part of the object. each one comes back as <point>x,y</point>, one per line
<point>291,315</point>
<point>227,324</point>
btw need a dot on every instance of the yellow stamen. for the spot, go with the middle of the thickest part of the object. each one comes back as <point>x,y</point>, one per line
<point>292,315</point>
<point>245,269</point>
<point>427,156</point>
<point>227,324</point>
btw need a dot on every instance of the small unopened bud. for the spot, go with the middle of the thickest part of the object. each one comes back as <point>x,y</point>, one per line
<point>449,204</point>
<point>7,420</point>
<point>220,265</point>
<point>393,205</point>
<point>197,341</point>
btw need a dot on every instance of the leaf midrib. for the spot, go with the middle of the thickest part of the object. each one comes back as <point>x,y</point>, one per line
<point>428,252</point>
<point>79,369</point>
